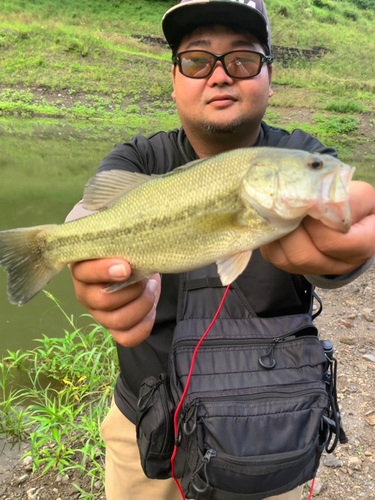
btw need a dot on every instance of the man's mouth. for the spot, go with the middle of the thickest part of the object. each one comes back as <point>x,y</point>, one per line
<point>221,100</point>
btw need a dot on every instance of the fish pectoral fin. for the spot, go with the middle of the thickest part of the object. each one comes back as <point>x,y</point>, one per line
<point>230,268</point>
<point>106,188</point>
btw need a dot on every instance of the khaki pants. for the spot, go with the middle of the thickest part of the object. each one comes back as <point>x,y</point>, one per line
<point>124,477</point>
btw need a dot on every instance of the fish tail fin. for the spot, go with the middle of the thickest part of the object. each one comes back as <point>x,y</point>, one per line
<point>23,255</point>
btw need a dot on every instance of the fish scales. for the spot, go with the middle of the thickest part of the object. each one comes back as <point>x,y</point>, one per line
<point>130,225</point>
<point>212,210</point>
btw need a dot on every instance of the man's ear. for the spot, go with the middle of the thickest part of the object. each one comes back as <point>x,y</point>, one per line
<point>173,81</point>
<point>270,70</point>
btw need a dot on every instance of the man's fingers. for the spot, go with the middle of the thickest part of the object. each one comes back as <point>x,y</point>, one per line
<point>138,333</point>
<point>132,313</point>
<point>96,298</point>
<point>354,247</point>
<point>101,270</point>
<point>297,254</point>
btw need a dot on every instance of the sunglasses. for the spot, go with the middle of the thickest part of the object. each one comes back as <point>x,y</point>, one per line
<point>237,63</point>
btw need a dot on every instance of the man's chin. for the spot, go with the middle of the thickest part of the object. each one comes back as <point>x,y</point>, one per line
<point>222,128</point>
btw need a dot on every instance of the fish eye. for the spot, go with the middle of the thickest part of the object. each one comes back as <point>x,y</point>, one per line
<point>315,163</point>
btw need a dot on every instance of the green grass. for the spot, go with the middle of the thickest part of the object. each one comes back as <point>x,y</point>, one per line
<point>109,109</point>
<point>70,385</point>
<point>346,106</point>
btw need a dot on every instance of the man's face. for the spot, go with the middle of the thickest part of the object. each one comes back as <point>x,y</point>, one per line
<point>220,103</point>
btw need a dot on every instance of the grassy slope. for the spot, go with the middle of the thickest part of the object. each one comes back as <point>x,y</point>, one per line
<point>90,47</point>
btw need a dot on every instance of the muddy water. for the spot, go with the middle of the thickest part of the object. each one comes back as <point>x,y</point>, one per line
<point>42,174</point>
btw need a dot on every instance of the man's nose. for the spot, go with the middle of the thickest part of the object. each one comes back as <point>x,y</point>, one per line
<point>219,76</point>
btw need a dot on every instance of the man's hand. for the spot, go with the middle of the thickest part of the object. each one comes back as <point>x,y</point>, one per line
<point>128,314</point>
<point>315,249</point>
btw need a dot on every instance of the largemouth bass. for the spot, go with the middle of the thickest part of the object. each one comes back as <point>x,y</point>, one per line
<point>214,210</point>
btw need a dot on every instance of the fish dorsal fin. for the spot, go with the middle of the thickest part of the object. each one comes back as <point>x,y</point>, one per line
<point>230,268</point>
<point>186,166</point>
<point>106,188</point>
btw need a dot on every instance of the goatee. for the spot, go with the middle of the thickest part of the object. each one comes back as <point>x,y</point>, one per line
<point>226,128</point>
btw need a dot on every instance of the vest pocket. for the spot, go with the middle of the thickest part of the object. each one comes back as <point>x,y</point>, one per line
<point>244,439</point>
<point>154,426</point>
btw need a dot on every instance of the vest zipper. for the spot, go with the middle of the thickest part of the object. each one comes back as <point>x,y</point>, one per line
<point>289,337</point>
<point>295,456</point>
<point>167,436</point>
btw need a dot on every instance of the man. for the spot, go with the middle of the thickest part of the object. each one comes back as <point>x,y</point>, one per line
<point>220,108</point>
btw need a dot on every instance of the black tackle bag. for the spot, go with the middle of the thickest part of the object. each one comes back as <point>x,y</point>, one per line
<point>261,404</point>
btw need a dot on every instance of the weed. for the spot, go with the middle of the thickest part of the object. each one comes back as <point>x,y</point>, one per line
<point>272,117</point>
<point>133,108</point>
<point>351,14</point>
<point>62,422</point>
<point>345,106</point>
<point>135,99</point>
<point>336,125</point>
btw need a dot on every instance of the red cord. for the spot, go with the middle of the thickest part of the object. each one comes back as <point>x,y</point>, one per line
<point>187,386</point>
<point>312,488</point>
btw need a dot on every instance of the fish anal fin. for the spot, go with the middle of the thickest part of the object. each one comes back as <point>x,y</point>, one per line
<point>106,188</point>
<point>230,268</point>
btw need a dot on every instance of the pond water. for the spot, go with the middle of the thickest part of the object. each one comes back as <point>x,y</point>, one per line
<point>43,170</point>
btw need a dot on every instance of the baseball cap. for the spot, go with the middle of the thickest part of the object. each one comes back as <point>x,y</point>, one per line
<point>184,17</point>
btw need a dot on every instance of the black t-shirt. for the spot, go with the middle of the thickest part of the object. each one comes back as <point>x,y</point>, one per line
<point>270,291</point>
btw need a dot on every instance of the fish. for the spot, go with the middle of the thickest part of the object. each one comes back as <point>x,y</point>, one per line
<point>213,210</point>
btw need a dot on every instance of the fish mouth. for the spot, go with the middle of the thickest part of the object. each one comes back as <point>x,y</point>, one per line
<point>334,211</point>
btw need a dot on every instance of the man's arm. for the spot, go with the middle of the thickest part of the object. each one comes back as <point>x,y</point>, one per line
<point>314,249</point>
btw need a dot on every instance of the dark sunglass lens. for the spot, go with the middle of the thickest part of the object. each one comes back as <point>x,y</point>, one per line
<point>242,64</point>
<point>196,64</point>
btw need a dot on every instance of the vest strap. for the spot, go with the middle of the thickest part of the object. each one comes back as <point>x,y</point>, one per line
<point>199,283</point>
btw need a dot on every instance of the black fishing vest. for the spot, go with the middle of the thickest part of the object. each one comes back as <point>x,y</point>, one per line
<point>261,403</point>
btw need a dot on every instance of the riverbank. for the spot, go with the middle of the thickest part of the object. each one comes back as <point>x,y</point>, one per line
<point>82,116</point>
<point>53,399</point>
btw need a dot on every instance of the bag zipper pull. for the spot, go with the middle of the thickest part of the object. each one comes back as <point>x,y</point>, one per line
<point>143,401</point>
<point>270,354</point>
<point>209,454</point>
<point>205,460</point>
<point>191,415</point>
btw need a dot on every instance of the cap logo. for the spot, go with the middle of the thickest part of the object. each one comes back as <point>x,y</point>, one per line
<point>251,3</point>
